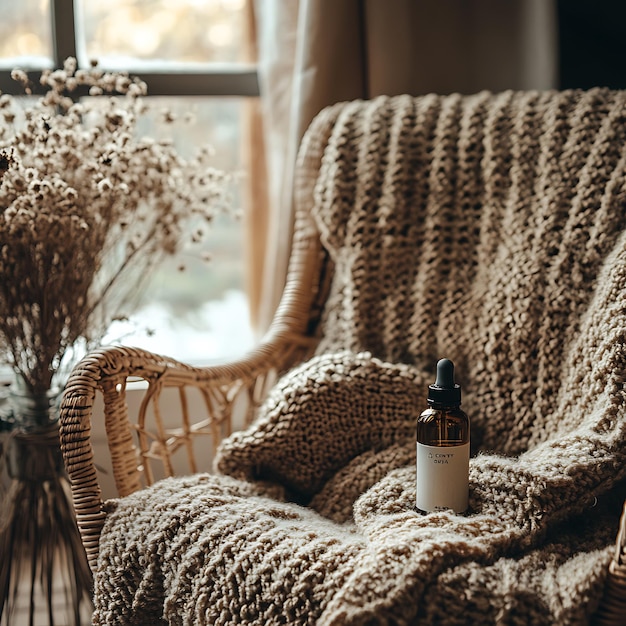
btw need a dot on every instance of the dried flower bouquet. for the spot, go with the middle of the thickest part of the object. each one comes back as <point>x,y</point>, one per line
<point>87,207</point>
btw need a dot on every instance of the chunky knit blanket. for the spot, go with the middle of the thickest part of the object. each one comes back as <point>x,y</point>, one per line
<point>489,229</point>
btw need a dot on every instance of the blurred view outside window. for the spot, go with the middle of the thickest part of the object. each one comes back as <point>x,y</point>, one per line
<point>25,33</point>
<point>200,313</point>
<point>189,31</point>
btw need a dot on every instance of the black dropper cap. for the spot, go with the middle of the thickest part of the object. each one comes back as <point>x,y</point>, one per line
<point>445,391</point>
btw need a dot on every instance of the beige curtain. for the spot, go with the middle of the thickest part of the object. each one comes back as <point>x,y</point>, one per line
<point>256,187</point>
<point>312,53</point>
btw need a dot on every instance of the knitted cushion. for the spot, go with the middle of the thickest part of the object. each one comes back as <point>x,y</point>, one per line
<point>215,550</point>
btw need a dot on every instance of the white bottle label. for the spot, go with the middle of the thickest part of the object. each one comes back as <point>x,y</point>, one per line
<point>442,477</point>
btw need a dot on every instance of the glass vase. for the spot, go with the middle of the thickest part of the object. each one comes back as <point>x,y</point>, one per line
<point>43,567</point>
<point>33,452</point>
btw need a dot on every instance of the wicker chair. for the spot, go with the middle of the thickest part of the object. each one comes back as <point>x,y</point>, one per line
<point>142,447</point>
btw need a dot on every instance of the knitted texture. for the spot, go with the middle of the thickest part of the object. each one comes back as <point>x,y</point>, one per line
<point>490,229</point>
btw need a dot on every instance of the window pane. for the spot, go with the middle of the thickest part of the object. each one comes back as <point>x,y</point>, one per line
<point>194,31</point>
<point>199,313</point>
<point>25,33</point>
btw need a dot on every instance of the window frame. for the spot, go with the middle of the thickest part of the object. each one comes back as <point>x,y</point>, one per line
<point>161,78</point>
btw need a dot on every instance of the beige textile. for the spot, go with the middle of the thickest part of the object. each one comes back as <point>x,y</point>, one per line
<point>490,229</point>
<point>313,53</point>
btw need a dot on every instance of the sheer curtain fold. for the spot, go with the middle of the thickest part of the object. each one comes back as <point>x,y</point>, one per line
<point>313,53</point>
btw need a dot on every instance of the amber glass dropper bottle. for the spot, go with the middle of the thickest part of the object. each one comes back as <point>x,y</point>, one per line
<point>443,447</point>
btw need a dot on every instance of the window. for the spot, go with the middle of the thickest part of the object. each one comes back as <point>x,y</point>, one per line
<point>193,56</point>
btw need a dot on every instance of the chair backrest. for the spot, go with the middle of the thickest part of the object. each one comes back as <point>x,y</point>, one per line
<point>473,227</point>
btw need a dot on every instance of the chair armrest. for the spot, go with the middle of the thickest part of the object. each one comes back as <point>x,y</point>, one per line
<point>133,446</point>
<point>612,608</point>
<point>136,444</point>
